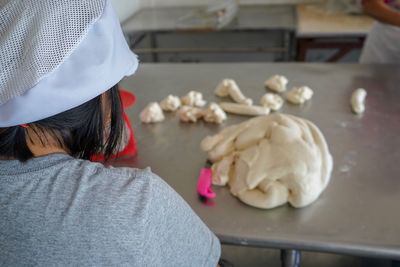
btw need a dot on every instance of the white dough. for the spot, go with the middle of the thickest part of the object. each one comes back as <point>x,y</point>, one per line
<point>221,171</point>
<point>277,83</point>
<point>194,99</point>
<point>299,95</point>
<point>214,114</point>
<point>152,113</point>
<point>271,160</point>
<point>358,100</point>
<point>170,103</point>
<point>229,87</point>
<point>241,109</point>
<point>190,114</point>
<point>272,101</point>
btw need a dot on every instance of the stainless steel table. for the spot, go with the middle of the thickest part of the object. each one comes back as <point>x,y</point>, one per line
<point>319,29</point>
<point>250,18</point>
<point>358,214</point>
<point>262,17</point>
<point>314,21</point>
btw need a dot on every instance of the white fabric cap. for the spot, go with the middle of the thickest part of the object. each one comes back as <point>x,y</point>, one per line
<point>56,55</point>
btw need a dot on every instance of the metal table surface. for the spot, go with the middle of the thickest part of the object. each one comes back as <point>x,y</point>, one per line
<point>358,213</point>
<point>260,17</point>
<point>313,21</point>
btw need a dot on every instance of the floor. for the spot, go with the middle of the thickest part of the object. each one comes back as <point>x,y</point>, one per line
<point>257,257</point>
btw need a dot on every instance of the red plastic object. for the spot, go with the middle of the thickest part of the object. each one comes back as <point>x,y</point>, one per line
<point>128,99</point>
<point>129,150</point>
<point>204,184</point>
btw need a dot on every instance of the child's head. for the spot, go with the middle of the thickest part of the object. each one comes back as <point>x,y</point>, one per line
<point>91,128</point>
<point>59,60</point>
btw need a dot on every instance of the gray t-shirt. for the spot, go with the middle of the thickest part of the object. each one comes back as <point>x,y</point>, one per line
<point>60,211</point>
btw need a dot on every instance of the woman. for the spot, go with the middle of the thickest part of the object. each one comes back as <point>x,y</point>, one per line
<point>382,44</point>
<point>60,62</point>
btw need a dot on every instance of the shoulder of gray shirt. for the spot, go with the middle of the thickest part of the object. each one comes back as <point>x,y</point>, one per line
<point>173,232</point>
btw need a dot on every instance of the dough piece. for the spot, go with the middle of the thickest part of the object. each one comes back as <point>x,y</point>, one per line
<point>244,109</point>
<point>221,171</point>
<point>194,99</point>
<point>190,114</point>
<point>358,100</point>
<point>229,87</point>
<point>272,101</point>
<point>152,113</point>
<point>277,83</point>
<point>271,160</point>
<point>299,95</point>
<point>170,103</point>
<point>214,114</point>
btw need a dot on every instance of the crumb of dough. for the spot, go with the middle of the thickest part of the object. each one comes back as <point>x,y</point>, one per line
<point>277,83</point>
<point>214,114</point>
<point>358,101</point>
<point>190,114</point>
<point>194,99</point>
<point>272,101</point>
<point>152,113</point>
<point>299,95</point>
<point>170,103</point>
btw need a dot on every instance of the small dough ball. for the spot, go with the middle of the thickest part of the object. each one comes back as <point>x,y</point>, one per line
<point>194,99</point>
<point>358,101</point>
<point>214,114</point>
<point>152,113</point>
<point>277,83</point>
<point>190,114</point>
<point>299,95</point>
<point>272,101</point>
<point>229,87</point>
<point>170,103</point>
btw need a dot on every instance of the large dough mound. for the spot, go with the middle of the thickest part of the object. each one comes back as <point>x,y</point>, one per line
<point>270,160</point>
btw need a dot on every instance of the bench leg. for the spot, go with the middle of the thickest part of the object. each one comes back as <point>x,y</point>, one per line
<point>290,258</point>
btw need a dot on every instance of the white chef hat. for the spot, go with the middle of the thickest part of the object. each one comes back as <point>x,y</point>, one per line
<point>56,55</point>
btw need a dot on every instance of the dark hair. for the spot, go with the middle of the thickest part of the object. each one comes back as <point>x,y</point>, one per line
<point>80,130</point>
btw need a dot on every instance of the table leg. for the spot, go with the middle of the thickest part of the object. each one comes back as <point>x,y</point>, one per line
<point>288,45</point>
<point>153,44</point>
<point>290,258</point>
<point>302,47</point>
